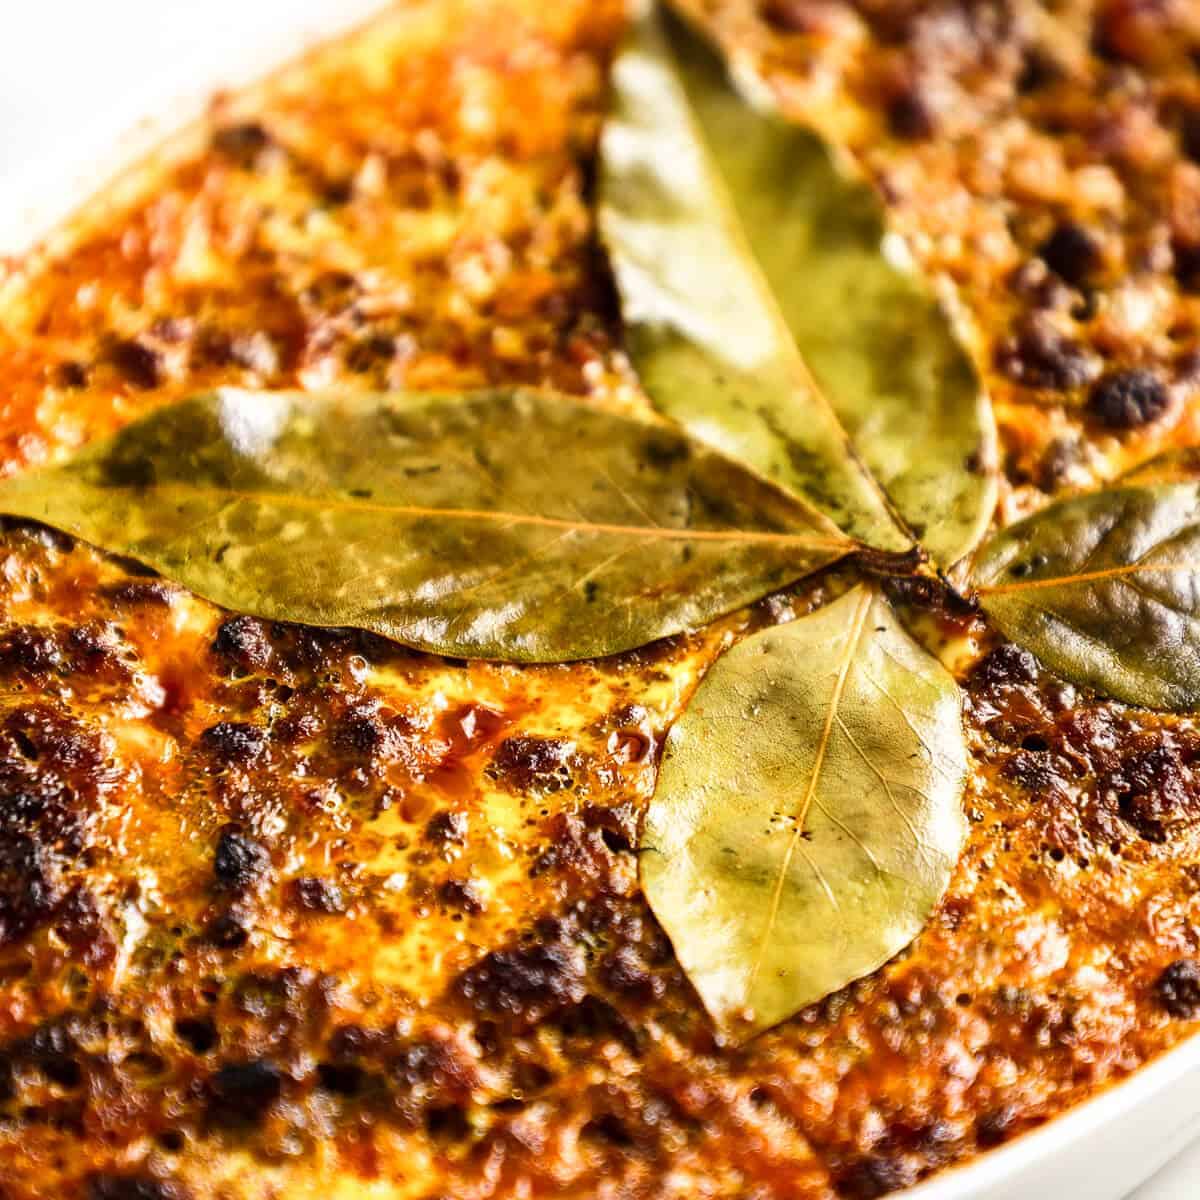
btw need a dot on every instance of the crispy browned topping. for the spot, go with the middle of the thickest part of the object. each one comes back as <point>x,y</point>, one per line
<point>287,912</point>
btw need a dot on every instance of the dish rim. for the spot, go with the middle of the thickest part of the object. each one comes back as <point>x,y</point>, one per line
<point>1070,1129</point>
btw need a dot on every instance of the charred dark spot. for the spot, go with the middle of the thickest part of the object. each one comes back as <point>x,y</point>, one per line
<point>1037,771</point>
<point>244,643</point>
<point>71,375</point>
<point>628,716</point>
<point>617,825</point>
<point>1128,399</point>
<point>34,739</point>
<point>304,647</point>
<point>338,191</point>
<point>447,829</point>
<point>1154,789</point>
<point>996,1125</point>
<point>354,1041</point>
<point>533,763</point>
<point>55,1052</point>
<point>626,972</point>
<point>150,593</point>
<point>342,1079</point>
<point>574,846</point>
<point>1186,264</point>
<point>93,646</point>
<point>1072,253</point>
<point>910,115</point>
<point>317,895</point>
<point>244,1091</point>
<point>133,1187</point>
<point>932,596</point>
<point>1038,70</point>
<point>435,1066</point>
<point>524,985</point>
<point>260,995</point>
<point>1006,666</point>
<point>29,884</point>
<point>30,648</point>
<point>463,894</point>
<point>369,352</point>
<point>1040,356</point>
<point>234,742</point>
<point>227,932</point>
<point>80,925</point>
<point>255,351</point>
<point>199,1034</point>
<point>37,537</point>
<point>140,363</point>
<point>609,1128</point>
<point>1177,989</point>
<point>874,1176</point>
<point>240,861</point>
<point>290,993</point>
<point>246,143</point>
<point>935,1140</point>
<point>1189,133</point>
<point>44,812</point>
<point>362,731</point>
<point>448,1123</point>
<point>296,727</point>
<point>333,291</point>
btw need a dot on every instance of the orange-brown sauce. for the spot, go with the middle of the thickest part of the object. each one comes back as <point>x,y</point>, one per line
<point>297,913</point>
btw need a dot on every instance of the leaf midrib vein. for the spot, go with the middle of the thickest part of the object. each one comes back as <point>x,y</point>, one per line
<point>651,533</point>
<point>1004,589</point>
<point>735,228</point>
<point>839,687</point>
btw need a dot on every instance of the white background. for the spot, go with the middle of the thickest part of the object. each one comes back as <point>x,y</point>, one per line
<point>76,76</point>
<point>88,80</point>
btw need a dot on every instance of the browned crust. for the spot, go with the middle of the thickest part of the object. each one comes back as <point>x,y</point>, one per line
<point>285,911</point>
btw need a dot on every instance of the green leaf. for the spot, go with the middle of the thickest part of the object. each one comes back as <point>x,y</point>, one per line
<point>1105,590</point>
<point>808,811</point>
<point>505,525</point>
<point>767,309</point>
<point>1181,465</point>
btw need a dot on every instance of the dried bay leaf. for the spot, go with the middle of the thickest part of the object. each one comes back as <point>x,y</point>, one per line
<point>1180,465</point>
<point>764,312</point>
<point>808,814</point>
<point>1105,589</point>
<point>507,525</point>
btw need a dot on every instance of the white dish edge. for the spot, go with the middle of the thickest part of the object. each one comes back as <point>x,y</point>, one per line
<point>1102,1148</point>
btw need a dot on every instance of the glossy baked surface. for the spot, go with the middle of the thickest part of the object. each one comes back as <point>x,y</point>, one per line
<point>297,913</point>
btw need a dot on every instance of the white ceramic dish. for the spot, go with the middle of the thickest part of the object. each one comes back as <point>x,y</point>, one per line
<point>1101,1150</point>
<point>159,64</point>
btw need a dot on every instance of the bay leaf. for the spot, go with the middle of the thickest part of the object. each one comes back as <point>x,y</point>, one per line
<point>1180,465</point>
<point>807,815</point>
<point>1105,589</point>
<point>506,525</point>
<point>769,311</point>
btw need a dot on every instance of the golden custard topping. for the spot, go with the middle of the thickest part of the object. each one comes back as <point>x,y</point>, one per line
<point>288,912</point>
